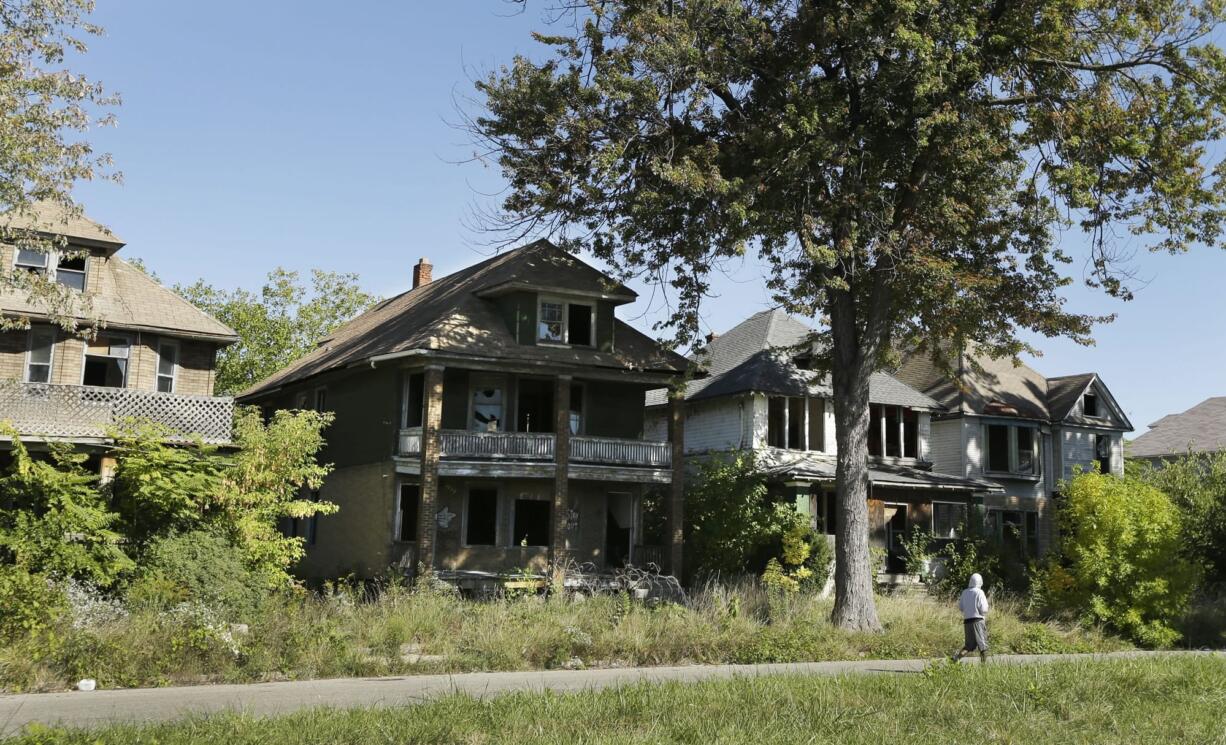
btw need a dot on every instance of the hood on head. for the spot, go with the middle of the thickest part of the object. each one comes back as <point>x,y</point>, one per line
<point>976,581</point>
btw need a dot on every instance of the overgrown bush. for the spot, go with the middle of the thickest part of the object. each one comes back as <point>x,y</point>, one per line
<point>1196,483</point>
<point>197,567</point>
<point>1120,560</point>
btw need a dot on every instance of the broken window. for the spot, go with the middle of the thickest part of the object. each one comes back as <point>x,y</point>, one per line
<point>948,519</point>
<point>531,522</point>
<point>552,322</point>
<point>406,512</point>
<point>481,520</point>
<point>998,448</point>
<point>414,400</point>
<point>70,272</point>
<point>893,443</point>
<point>1102,453</point>
<point>796,423</point>
<point>487,408</point>
<point>1025,439</point>
<point>576,409</point>
<point>1089,404</point>
<point>875,418</point>
<point>817,424</point>
<point>776,416</point>
<point>579,324</point>
<point>910,433</point>
<point>106,361</point>
<point>38,363</point>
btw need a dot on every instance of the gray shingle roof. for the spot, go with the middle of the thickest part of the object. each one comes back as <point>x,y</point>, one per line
<point>1000,383</point>
<point>785,465</point>
<point>1201,428</point>
<point>450,316</point>
<point>45,217</point>
<point>756,355</point>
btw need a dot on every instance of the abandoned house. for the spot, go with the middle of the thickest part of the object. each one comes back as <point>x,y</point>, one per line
<point>761,395</point>
<point>1200,429</point>
<point>1025,432</point>
<point>151,355</point>
<point>488,421</point>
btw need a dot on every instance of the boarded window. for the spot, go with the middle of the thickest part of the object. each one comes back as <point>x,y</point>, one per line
<point>406,513</point>
<point>531,522</point>
<point>481,523</point>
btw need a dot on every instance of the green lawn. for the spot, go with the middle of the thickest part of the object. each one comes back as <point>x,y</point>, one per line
<point>1135,701</point>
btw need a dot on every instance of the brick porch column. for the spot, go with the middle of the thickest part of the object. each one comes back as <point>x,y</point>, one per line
<point>561,458</point>
<point>676,502</point>
<point>431,423</point>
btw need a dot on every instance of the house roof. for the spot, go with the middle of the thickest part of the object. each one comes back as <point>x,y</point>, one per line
<point>46,217</point>
<point>1003,388</point>
<point>452,316</point>
<point>127,298</point>
<point>1201,428</point>
<point>756,355</point>
<point>784,465</point>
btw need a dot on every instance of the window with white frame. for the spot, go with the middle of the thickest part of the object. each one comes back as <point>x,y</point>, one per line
<point>40,354</point>
<point>948,519</point>
<point>106,361</point>
<point>1011,449</point>
<point>564,322</point>
<point>168,365</point>
<point>67,268</point>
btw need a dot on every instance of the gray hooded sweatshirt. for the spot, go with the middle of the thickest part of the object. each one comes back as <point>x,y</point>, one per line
<point>973,602</point>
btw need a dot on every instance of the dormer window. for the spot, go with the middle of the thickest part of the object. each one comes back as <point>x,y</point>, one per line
<point>1089,404</point>
<point>563,322</point>
<point>69,270</point>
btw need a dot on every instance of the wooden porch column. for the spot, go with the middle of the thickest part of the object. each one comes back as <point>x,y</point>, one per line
<point>431,423</point>
<point>676,502</point>
<point>561,456</point>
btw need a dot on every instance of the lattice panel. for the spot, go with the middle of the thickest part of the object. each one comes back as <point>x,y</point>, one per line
<point>73,411</point>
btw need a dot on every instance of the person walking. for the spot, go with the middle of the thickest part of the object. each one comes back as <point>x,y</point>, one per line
<point>974,606</point>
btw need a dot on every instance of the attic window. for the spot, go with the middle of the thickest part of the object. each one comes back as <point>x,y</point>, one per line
<point>31,261</point>
<point>562,322</point>
<point>1089,404</point>
<point>69,270</point>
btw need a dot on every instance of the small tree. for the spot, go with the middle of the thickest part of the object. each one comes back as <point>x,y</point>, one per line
<point>1196,483</point>
<point>1120,560</point>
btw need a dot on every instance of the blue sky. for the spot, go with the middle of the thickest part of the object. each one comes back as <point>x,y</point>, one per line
<point>310,134</point>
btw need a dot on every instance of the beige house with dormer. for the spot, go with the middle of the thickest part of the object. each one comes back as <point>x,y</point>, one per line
<point>139,350</point>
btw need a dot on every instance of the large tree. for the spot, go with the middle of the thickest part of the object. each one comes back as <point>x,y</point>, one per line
<point>907,168</point>
<point>45,111</point>
<point>280,323</point>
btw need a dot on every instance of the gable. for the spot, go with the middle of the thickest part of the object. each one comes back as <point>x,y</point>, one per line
<point>1071,406</point>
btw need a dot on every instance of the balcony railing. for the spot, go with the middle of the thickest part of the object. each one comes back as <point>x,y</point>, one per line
<point>619,452</point>
<point>79,412</point>
<point>538,446</point>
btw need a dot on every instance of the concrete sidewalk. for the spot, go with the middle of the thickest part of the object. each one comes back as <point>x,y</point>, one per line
<point>78,709</point>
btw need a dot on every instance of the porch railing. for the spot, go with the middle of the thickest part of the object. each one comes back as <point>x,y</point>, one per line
<point>539,446</point>
<point>616,451</point>
<point>80,411</point>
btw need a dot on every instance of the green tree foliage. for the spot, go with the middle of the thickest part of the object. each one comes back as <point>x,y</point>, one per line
<point>280,323</point>
<point>200,566</point>
<point>1120,560</point>
<point>1197,485</point>
<point>45,111</point>
<point>732,524</point>
<point>904,168</point>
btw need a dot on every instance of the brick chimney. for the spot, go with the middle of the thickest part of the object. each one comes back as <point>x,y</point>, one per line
<point>422,273</point>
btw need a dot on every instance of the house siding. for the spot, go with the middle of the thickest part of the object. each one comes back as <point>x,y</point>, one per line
<point>357,538</point>
<point>13,355</point>
<point>1077,449</point>
<point>717,424</point>
<point>945,446</point>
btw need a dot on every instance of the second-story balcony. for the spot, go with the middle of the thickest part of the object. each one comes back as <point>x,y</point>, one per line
<point>540,447</point>
<point>80,412</point>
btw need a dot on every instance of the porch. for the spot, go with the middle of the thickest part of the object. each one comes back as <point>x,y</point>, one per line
<point>539,447</point>
<point>90,413</point>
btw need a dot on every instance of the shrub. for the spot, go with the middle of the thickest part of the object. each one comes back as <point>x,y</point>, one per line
<point>1196,483</point>
<point>1120,560</point>
<point>28,602</point>
<point>200,567</point>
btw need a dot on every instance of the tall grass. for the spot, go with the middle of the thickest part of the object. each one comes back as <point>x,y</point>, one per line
<point>1135,701</point>
<point>403,631</point>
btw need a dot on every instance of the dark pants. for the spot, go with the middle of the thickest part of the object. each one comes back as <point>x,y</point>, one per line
<point>976,630</point>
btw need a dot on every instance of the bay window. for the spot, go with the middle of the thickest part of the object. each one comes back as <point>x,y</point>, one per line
<point>893,431</point>
<point>1011,449</point>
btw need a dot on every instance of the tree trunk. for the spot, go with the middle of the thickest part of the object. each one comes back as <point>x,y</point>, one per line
<point>852,366</point>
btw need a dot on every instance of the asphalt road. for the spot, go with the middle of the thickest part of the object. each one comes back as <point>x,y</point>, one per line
<point>80,709</point>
